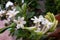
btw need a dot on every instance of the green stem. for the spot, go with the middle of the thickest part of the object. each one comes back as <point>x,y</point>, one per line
<point>5,28</point>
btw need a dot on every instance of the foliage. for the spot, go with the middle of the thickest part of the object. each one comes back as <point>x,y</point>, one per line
<point>57,2</point>
<point>31,3</point>
<point>50,6</point>
<point>53,6</point>
<point>18,29</point>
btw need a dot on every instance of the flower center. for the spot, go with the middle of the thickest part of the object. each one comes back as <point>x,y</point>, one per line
<point>18,22</point>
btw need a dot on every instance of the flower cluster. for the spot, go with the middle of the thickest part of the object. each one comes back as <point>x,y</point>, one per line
<point>46,23</point>
<point>8,14</point>
<point>9,3</point>
<point>42,24</point>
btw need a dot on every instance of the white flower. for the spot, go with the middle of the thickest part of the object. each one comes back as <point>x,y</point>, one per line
<point>20,22</point>
<point>22,1</point>
<point>41,18</point>
<point>45,22</point>
<point>2,12</point>
<point>13,8</point>
<point>7,21</point>
<point>11,13</point>
<point>9,3</point>
<point>49,25</point>
<point>35,19</point>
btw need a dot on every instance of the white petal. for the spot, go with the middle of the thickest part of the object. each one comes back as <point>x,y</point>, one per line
<point>16,12</point>
<point>41,16</point>
<point>9,3</point>
<point>22,1</point>
<point>23,22</point>
<point>0,12</point>
<point>15,21</point>
<point>8,19</point>
<point>35,21</point>
<point>22,18</point>
<point>49,25</point>
<point>3,11</point>
<point>18,26</point>
<point>5,21</point>
<point>32,19</point>
<point>10,16</point>
<point>44,23</point>
<point>35,17</point>
<point>21,25</point>
<point>19,18</point>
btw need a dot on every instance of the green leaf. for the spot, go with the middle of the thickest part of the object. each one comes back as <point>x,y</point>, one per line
<point>20,11</point>
<point>51,16</point>
<point>22,33</point>
<point>24,7</point>
<point>30,14</point>
<point>5,28</point>
<point>44,37</point>
<point>48,17</point>
<point>35,36</point>
<point>38,6</point>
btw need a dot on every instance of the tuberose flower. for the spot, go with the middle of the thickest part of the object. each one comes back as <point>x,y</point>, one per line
<point>46,25</point>
<point>9,3</point>
<point>35,19</point>
<point>49,25</point>
<point>20,22</point>
<point>22,1</point>
<point>2,12</point>
<point>7,21</point>
<point>12,13</point>
<point>45,22</point>
<point>41,18</point>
